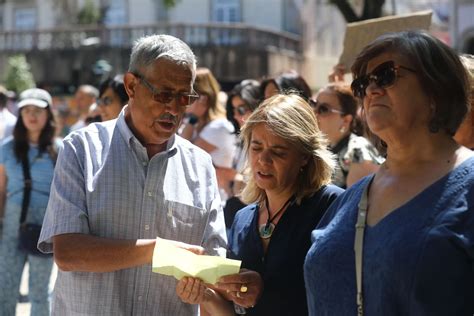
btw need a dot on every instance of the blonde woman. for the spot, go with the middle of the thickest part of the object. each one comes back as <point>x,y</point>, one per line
<point>288,192</point>
<point>207,125</point>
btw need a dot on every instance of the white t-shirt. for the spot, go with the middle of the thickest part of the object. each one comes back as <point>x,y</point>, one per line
<point>7,123</point>
<point>220,133</point>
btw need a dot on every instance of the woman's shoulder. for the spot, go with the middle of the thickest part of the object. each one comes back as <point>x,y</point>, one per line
<point>246,211</point>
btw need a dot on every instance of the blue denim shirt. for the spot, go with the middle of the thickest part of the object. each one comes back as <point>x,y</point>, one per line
<point>41,170</point>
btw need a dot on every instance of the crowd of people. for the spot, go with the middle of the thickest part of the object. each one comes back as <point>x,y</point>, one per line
<point>355,199</point>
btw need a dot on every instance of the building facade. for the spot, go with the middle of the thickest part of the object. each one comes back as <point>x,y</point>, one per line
<point>237,39</point>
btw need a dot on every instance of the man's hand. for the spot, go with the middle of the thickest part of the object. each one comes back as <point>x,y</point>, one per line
<point>191,290</point>
<point>243,288</point>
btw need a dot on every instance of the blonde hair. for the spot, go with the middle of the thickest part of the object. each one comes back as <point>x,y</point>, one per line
<point>206,84</point>
<point>291,118</point>
<point>468,62</point>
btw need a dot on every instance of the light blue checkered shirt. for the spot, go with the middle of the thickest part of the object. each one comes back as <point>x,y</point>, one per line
<point>104,185</point>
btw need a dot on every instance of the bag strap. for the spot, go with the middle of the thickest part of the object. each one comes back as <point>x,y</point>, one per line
<point>27,188</point>
<point>359,243</point>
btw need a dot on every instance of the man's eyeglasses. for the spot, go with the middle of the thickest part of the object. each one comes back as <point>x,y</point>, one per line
<point>165,97</point>
<point>241,110</point>
<point>323,109</point>
<point>106,101</point>
<point>384,75</point>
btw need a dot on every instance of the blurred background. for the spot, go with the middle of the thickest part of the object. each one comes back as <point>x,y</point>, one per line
<point>60,44</point>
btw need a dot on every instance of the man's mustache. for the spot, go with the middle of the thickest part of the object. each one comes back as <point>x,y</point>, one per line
<point>167,117</point>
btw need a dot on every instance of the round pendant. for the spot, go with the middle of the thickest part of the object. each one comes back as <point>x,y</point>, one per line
<point>266,230</point>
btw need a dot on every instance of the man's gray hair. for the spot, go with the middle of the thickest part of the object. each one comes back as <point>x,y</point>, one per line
<point>90,90</point>
<point>148,49</point>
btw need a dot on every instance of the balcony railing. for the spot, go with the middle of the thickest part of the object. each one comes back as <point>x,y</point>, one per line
<point>124,37</point>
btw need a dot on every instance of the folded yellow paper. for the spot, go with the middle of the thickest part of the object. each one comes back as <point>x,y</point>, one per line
<point>171,260</point>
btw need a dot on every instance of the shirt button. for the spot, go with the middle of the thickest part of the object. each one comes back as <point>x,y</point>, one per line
<point>140,297</point>
<point>147,227</point>
<point>149,193</point>
<point>145,163</point>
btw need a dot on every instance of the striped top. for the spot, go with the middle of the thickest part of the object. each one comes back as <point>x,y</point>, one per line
<point>106,186</point>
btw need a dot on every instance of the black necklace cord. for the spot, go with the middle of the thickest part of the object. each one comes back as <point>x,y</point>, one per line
<point>270,220</point>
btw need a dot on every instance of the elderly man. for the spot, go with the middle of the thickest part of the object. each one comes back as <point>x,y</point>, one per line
<point>121,183</point>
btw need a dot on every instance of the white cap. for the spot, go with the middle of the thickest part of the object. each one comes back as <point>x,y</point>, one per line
<point>37,97</point>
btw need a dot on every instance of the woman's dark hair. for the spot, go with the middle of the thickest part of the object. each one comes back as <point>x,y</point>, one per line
<point>349,105</point>
<point>249,91</point>
<point>45,143</point>
<point>441,74</point>
<point>117,86</point>
<point>289,82</point>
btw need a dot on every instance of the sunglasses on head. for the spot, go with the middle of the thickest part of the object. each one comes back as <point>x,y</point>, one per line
<point>165,97</point>
<point>106,101</point>
<point>323,109</point>
<point>384,76</point>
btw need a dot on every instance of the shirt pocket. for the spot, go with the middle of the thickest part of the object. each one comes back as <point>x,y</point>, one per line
<point>183,222</point>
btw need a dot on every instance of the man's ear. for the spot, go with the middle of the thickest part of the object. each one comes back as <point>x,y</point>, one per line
<point>130,82</point>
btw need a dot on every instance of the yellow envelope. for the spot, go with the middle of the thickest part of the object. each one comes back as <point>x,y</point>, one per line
<point>171,260</point>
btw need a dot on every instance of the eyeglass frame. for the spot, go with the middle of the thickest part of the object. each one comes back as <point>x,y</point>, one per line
<point>193,96</point>
<point>105,101</point>
<point>359,89</point>
<point>315,105</point>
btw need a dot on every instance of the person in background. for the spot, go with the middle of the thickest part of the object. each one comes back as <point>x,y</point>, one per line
<point>84,98</point>
<point>242,101</point>
<point>286,82</point>
<point>112,97</point>
<point>401,242</point>
<point>208,127</point>
<point>337,112</point>
<point>465,133</point>
<point>288,190</point>
<point>33,139</point>
<point>7,119</point>
<point>121,183</point>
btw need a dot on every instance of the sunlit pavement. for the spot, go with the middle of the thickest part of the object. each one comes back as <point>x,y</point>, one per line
<point>23,309</point>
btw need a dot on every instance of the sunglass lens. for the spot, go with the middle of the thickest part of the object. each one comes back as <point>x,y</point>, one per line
<point>164,97</point>
<point>359,85</point>
<point>241,110</point>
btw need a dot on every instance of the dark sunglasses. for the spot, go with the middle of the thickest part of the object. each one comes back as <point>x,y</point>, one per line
<point>105,101</point>
<point>241,109</point>
<point>323,109</point>
<point>384,76</point>
<point>165,97</point>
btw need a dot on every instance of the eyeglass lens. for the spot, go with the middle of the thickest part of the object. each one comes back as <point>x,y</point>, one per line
<point>165,97</point>
<point>383,75</point>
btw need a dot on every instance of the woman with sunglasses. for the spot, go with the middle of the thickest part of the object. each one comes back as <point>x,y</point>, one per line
<point>112,97</point>
<point>401,242</point>
<point>336,110</point>
<point>243,99</point>
<point>33,147</point>
<point>208,127</point>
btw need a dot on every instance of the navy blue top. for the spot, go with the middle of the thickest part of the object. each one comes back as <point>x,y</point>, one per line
<point>418,260</point>
<point>282,266</point>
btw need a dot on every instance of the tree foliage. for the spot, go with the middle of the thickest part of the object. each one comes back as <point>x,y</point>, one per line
<point>371,9</point>
<point>18,74</point>
<point>170,3</point>
<point>89,14</point>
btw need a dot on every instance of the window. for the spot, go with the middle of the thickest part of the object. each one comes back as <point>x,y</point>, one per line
<point>25,19</point>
